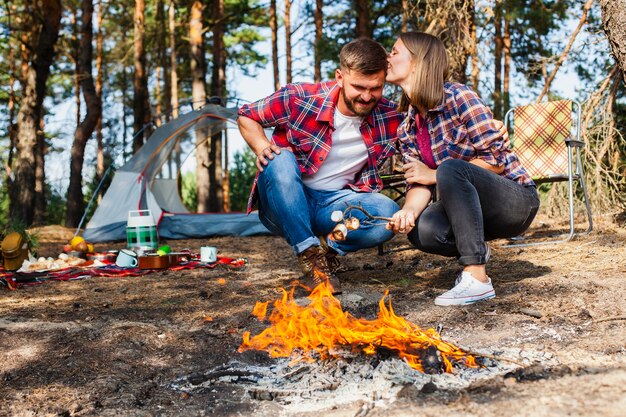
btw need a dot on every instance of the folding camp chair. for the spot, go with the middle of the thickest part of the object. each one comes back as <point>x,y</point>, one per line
<point>545,139</point>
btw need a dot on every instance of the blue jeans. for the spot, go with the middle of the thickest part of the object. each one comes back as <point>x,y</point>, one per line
<point>474,205</point>
<point>290,209</point>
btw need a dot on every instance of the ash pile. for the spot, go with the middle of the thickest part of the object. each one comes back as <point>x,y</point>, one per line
<point>375,381</point>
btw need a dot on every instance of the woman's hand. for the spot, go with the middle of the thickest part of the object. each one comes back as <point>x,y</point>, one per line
<point>416,172</point>
<point>402,221</point>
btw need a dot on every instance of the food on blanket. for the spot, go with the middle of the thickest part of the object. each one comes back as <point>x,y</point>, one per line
<point>164,250</point>
<point>82,246</point>
<point>90,248</point>
<point>75,241</point>
<point>67,248</point>
<point>51,264</point>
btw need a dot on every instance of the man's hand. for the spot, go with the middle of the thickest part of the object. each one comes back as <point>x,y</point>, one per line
<point>506,141</point>
<point>265,154</point>
<point>416,172</point>
<point>402,221</point>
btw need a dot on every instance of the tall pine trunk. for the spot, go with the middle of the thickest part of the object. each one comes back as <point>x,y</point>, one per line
<point>141,107</point>
<point>99,76</point>
<point>475,58</point>
<point>11,103</point>
<point>162,45</point>
<point>506,76</point>
<point>363,19</point>
<point>497,77</point>
<point>39,216</point>
<point>288,40</point>
<point>274,30</point>
<point>75,201</point>
<point>319,4</point>
<point>174,85</point>
<point>198,92</point>
<point>36,71</point>
<point>613,18</point>
<point>218,196</point>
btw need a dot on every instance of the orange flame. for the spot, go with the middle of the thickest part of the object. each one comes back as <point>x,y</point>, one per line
<point>323,327</point>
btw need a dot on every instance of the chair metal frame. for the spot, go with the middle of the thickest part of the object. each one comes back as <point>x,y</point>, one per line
<point>572,175</point>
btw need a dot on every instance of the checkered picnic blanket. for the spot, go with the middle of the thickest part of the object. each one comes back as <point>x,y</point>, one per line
<point>14,280</point>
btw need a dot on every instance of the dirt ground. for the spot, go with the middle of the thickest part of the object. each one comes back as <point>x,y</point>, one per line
<point>112,346</point>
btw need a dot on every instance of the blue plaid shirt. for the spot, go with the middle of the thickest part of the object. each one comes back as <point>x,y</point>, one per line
<point>462,127</point>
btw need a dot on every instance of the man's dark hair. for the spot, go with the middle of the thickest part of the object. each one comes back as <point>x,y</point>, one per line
<point>363,55</point>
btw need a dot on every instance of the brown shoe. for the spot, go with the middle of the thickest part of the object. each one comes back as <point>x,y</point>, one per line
<point>316,270</point>
<point>331,256</point>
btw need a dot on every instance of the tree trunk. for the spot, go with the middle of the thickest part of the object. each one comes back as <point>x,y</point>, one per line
<point>363,19</point>
<point>75,201</point>
<point>141,108</point>
<point>613,18</point>
<point>274,29</point>
<point>198,93</point>
<point>74,55</point>
<point>405,15</point>
<point>11,103</point>
<point>475,57</point>
<point>319,4</point>
<point>218,89</point>
<point>506,50</point>
<point>99,75</point>
<point>39,216</point>
<point>174,86</point>
<point>30,113</point>
<point>288,39</point>
<point>173,73</point>
<point>162,45</point>
<point>458,38</point>
<point>497,76</point>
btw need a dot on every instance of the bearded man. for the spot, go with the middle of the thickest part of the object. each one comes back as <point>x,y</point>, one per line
<point>328,143</point>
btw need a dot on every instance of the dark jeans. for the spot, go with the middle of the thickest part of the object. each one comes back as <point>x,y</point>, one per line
<point>474,205</point>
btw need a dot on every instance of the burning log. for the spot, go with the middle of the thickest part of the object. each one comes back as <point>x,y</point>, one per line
<point>323,328</point>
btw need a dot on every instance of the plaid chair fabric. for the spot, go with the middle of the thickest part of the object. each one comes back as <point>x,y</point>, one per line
<point>540,132</point>
<point>547,143</point>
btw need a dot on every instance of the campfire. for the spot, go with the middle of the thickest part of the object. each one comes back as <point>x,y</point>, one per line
<point>322,329</point>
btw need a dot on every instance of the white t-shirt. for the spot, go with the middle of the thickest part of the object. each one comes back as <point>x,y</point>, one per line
<point>347,156</point>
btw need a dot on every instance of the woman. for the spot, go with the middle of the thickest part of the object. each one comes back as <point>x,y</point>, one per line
<point>449,142</point>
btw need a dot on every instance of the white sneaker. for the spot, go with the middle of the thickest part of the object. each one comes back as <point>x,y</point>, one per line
<point>467,290</point>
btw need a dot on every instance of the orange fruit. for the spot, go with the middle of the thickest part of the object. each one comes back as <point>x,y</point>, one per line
<point>76,240</point>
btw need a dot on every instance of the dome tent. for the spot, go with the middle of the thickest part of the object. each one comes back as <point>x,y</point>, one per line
<point>135,186</point>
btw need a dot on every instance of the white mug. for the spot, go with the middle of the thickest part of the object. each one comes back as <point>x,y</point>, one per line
<point>126,258</point>
<point>208,253</point>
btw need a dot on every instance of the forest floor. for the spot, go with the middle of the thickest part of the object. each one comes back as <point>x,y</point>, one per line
<point>114,346</point>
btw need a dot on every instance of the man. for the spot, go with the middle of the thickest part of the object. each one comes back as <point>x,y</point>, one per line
<point>329,140</point>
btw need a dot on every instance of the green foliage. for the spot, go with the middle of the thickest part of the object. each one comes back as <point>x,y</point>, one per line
<point>188,192</point>
<point>57,204</point>
<point>240,177</point>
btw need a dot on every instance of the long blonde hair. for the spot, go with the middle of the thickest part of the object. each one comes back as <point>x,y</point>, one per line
<point>430,61</point>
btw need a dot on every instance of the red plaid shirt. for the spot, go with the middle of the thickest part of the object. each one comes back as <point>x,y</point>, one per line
<point>302,117</point>
<point>462,128</point>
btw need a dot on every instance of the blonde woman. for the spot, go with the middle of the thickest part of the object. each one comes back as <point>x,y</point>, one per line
<point>449,141</point>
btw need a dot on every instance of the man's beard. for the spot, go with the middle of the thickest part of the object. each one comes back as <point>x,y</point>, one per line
<point>350,104</point>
